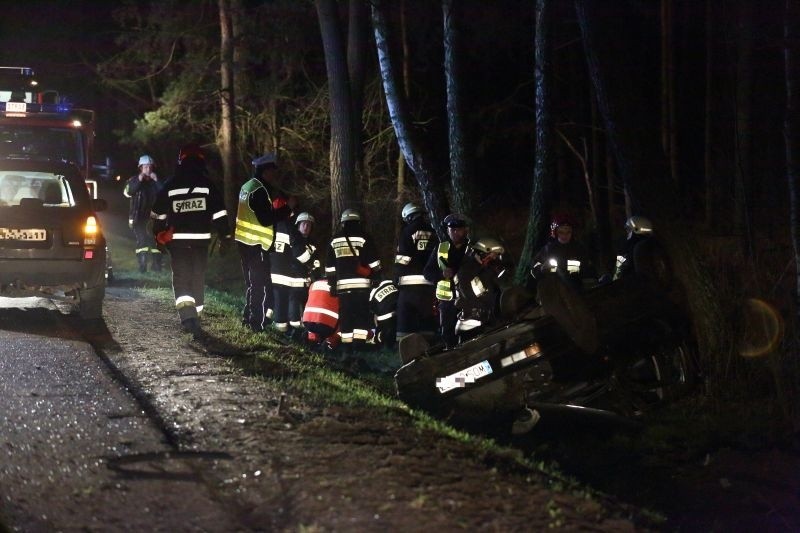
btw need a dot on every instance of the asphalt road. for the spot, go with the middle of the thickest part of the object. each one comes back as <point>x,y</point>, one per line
<point>77,452</point>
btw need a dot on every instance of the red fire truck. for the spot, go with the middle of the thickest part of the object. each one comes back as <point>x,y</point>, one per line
<point>37,123</point>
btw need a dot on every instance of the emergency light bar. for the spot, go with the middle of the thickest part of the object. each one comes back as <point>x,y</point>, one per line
<point>25,107</point>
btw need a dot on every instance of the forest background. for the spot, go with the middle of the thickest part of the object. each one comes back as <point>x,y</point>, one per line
<point>508,111</point>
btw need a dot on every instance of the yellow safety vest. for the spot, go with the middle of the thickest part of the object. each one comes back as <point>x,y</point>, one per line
<point>444,288</point>
<point>248,229</point>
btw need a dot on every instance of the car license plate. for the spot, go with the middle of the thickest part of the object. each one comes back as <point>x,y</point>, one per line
<point>11,234</point>
<point>462,377</point>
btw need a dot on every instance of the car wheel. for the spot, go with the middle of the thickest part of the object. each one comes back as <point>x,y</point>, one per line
<point>90,304</point>
<point>570,311</point>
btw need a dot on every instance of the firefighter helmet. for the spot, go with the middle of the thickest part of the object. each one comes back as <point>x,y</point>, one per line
<point>146,160</point>
<point>560,219</point>
<point>350,214</point>
<point>304,217</point>
<point>639,225</point>
<point>455,220</point>
<point>190,151</point>
<point>488,245</point>
<point>410,209</point>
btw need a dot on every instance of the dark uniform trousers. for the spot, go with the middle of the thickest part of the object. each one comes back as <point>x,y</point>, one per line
<point>259,299</point>
<point>354,317</point>
<point>281,295</point>
<point>189,260</point>
<point>297,301</point>
<point>448,318</point>
<point>415,309</point>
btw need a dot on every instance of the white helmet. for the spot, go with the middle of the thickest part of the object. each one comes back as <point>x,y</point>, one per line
<point>304,217</point>
<point>146,160</point>
<point>487,245</point>
<point>409,209</point>
<point>639,225</point>
<point>350,214</point>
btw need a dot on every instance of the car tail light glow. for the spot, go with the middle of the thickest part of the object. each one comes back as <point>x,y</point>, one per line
<point>90,231</point>
<point>529,352</point>
<point>88,254</point>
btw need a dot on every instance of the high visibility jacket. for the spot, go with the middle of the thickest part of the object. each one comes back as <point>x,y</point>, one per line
<point>446,256</point>
<point>417,242</point>
<point>321,313</point>
<point>249,229</point>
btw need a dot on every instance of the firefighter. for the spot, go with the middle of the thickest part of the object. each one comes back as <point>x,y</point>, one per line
<point>563,255</point>
<point>185,211</point>
<point>352,262</point>
<point>415,298</point>
<point>290,277</point>
<point>142,189</point>
<point>307,266</point>
<point>638,229</point>
<point>383,305</point>
<point>442,267</point>
<point>260,207</point>
<point>321,317</point>
<point>482,277</point>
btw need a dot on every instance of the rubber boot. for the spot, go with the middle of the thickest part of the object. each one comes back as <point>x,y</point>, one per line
<point>142,257</point>
<point>155,261</point>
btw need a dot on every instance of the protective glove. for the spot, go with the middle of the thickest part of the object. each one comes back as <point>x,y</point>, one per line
<point>163,237</point>
<point>225,245</point>
<point>332,289</point>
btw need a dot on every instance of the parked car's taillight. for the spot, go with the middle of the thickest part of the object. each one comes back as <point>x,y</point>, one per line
<point>90,231</point>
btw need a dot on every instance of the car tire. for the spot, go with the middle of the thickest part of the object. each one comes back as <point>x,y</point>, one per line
<point>570,310</point>
<point>90,304</point>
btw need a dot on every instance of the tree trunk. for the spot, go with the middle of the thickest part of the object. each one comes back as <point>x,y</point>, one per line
<point>413,151</point>
<point>356,63</point>
<point>792,133</point>
<point>623,103</point>
<point>712,193</point>
<point>668,126</point>
<point>241,87</point>
<point>342,151</point>
<point>743,147</point>
<point>460,169</point>
<point>542,190</point>
<point>227,131</point>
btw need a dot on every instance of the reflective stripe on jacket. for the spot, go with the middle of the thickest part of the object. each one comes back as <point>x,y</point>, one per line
<point>248,230</point>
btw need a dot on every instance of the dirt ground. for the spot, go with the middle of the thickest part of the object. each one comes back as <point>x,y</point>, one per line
<point>286,464</point>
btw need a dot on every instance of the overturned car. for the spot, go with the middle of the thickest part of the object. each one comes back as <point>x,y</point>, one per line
<point>619,348</point>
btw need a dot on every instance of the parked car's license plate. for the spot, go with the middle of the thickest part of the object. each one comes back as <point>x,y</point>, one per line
<point>12,234</point>
<point>462,377</point>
